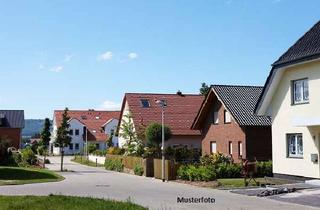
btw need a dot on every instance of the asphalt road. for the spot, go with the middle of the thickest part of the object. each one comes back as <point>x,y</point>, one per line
<point>149,192</point>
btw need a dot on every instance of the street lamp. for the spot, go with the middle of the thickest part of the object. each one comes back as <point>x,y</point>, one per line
<point>162,104</point>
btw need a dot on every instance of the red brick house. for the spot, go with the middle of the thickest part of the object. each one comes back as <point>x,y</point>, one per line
<point>180,111</point>
<point>11,125</point>
<point>228,124</point>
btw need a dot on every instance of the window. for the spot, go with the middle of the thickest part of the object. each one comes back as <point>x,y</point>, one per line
<point>71,132</point>
<point>213,147</point>
<point>240,148</point>
<point>77,132</point>
<point>97,146</point>
<point>71,146</point>
<point>76,146</point>
<point>94,131</point>
<point>111,132</point>
<point>230,147</point>
<point>300,90</point>
<point>295,145</point>
<point>227,117</point>
<point>145,103</point>
<point>216,118</point>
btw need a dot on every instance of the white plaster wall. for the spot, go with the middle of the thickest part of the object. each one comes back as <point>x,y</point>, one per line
<point>126,111</point>
<point>108,127</point>
<point>284,115</point>
<point>100,159</point>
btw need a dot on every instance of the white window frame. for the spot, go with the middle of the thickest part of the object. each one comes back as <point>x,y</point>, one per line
<point>300,91</point>
<point>294,149</point>
<point>212,151</point>
<point>240,148</point>
<point>230,147</point>
<point>146,100</point>
<point>227,117</point>
<point>216,117</point>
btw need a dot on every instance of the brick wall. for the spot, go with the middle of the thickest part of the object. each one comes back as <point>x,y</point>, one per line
<point>13,134</point>
<point>222,134</point>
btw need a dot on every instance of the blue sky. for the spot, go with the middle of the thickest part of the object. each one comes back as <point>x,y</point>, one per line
<point>87,54</point>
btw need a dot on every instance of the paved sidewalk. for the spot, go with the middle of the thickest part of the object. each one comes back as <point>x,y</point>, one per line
<point>149,192</point>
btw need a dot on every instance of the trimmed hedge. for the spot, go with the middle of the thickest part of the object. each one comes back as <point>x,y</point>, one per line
<point>196,173</point>
<point>264,168</point>
<point>119,162</point>
<point>114,164</point>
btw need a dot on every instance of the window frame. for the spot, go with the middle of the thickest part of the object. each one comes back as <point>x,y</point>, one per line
<point>240,149</point>
<point>213,142</point>
<point>71,132</point>
<point>76,132</point>
<point>71,146</point>
<point>224,115</point>
<point>230,147</point>
<point>293,92</point>
<point>216,117</point>
<point>76,146</point>
<point>142,104</point>
<point>296,155</point>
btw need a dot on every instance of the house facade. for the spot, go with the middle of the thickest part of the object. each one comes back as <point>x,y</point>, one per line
<point>11,125</point>
<point>179,113</point>
<point>229,126</point>
<point>291,98</point>
<point>89,126</point>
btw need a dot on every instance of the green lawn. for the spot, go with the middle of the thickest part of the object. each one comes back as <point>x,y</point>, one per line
<point>17,175</point>
<point>59,202</point>
<point>239,182</point>
<point>84,161</point>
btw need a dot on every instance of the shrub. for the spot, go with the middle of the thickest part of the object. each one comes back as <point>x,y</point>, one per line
<point>196,173</point>
<point>91,148</point>
<point>115,151</point>
<point>100,152</point>
<point>225,170</point>
<point>114,164</point>
<point>138,170</point>
<point>264,168</point>
<point>28,157</point>
<point>153,133</point>
<point>183,154</point>
<point>47,161</point>
<point>215,159</point>
<point>41,150</point>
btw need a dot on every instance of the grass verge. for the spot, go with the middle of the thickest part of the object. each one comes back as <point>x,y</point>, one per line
<point>59,202</point>
<point>84,161</point>
<point>239,182</point>
<point>17,175</point>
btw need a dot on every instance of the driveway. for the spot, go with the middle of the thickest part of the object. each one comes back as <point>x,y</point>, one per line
<point>149,192</point>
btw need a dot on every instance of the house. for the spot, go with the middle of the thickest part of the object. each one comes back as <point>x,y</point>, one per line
<point>92,126</point>
<point>291,97</point>
<point>229,126</point>
<point>11,125</point>
<point>179,113</point>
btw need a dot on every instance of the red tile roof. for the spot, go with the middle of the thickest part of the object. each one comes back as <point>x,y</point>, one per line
<point>93,120</point>
<point>179,113</point>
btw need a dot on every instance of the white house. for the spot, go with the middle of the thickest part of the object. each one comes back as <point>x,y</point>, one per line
<point>92,126</point>
<point>291,98</point>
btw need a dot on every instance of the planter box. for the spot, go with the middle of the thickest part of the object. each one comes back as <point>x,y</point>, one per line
<point>170,169</point>
<point>129,162</point>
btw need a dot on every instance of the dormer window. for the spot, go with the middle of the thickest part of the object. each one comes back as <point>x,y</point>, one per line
<point>145,103</point>
<point>300,91</point>
<point>97,117</point>
<point>94,131</point>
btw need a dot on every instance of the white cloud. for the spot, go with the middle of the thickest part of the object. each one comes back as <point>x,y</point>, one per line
<point>110,105</point>
<point>41,67</point>
<point>105,56</point>
<point>133,55</point>
<point>56,69</point>
<point>68,57</point>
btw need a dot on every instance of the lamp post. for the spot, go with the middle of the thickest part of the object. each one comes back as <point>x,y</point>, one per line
<point>162,104</point>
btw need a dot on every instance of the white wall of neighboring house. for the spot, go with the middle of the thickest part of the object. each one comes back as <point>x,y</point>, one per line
<point>301,118</point>
<point>110,127</point>
<point>75,139</point>
<point>126,111</point>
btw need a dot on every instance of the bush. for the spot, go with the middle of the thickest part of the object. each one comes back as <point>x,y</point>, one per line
<point>100,152</point>
<point>115,151</point>
<point>225,170</point>
<point>92,148</point>
<point>138,170</point>
<point>114,164</point>
<point>153,133</point>
<point>28,157</point>
<point>183,154</point>
<point>196,173</point>
<point>264,168</point>
<point>41,150</point>
<point>47,161</point>
<point>215,159</point>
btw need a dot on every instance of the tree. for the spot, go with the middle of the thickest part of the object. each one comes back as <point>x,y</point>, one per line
<point>154,134</point>
<point>204,90</point>
<point>133,146</point>
<point>45,137</point>
<point>63,139</point>
<point>109,141</point>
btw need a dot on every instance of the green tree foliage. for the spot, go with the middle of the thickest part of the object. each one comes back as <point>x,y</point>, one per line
<point>91,148</point>
<point>204,89</point>
<point>133,146</point>
<point>109,141</point>
<point>45,137</point>
<point>154,134</point>
<point>63,138</point>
